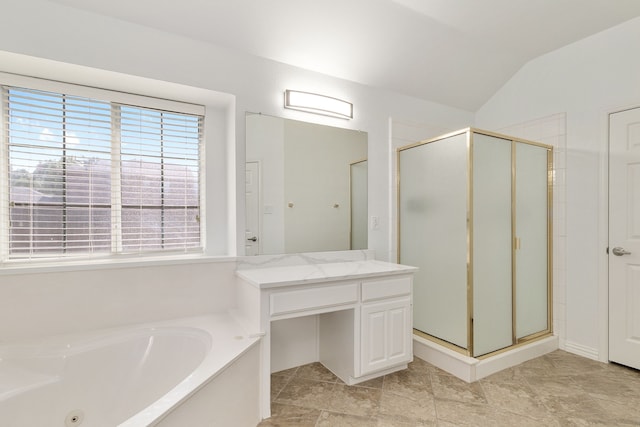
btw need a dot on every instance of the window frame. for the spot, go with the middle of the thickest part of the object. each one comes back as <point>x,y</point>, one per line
<point>113,96</point>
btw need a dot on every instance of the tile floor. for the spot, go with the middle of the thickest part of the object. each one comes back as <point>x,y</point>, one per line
<point>558,389</point>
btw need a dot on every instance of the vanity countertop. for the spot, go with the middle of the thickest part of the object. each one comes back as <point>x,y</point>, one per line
<point>274,277</point>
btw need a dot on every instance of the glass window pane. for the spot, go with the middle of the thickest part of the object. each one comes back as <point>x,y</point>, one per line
<point>88,229</point>
<point>141,229</point>
<point>160,170</point>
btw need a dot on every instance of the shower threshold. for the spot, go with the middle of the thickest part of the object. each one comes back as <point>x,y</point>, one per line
<point>471,369</point>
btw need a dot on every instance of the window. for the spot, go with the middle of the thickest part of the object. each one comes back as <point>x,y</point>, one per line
<point>90,176</point>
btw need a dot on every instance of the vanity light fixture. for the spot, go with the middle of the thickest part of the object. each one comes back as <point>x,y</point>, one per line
<point>318,104</point>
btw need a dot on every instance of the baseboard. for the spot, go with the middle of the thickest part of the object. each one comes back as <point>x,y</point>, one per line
<point>582,350</point>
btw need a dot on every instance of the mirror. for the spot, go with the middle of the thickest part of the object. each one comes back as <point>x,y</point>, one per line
<point>306,187</point>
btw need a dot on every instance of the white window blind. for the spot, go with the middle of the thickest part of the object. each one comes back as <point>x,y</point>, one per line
<point>88,176</point>
<point>159,170</point>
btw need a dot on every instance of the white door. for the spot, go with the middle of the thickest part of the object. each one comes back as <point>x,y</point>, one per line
<point>252,209</point>
<point>624,238</point>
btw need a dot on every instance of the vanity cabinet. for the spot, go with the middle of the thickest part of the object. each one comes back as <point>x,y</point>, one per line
<point>364,326</point>
<point>386,329</point>
<point>386,335</point>
<point>363,311</point>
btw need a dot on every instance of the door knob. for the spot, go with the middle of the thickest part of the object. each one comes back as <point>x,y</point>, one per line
<point>253,239</point>
<point>618,251</point>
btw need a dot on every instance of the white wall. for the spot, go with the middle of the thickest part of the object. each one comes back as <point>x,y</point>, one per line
<point>48,30</point>
<point>59,300</point>
<point>34,303</point>
<point>586,80</point>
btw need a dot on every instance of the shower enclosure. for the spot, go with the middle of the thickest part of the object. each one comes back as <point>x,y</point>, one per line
<point>474,211</point>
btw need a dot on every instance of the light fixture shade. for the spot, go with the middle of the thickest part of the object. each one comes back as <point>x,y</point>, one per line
<point>318,104</point>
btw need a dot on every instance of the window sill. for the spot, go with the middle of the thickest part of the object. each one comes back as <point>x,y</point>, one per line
<point>108,263</point>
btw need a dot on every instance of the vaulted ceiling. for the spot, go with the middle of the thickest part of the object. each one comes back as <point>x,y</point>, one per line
<point>455,52</point>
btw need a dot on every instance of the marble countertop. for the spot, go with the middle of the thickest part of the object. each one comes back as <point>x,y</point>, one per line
<point>274,277</point>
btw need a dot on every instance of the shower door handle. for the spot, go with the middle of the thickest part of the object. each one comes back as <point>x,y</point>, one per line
<point>618,251</point>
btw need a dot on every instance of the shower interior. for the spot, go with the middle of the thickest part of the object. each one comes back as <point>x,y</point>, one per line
<point>475,215</point>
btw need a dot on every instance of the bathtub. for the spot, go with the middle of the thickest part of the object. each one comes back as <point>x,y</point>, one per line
<point>133,376</point>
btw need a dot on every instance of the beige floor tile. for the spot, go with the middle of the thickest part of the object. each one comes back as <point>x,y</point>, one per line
<point>374,383</point>
<point>278,383</point>
<point>291,416</point>
<point>624,372</point>
<point>408,382</point>
<point>316,371</point>
<point>446,386</point>
<point>287,372</point>
<point>558,389</point>
<point>553,385</point>
<point>567,364</point>
<point>511,374</point>
<point>512,395</point>
<point>538,367</point>
<point>385,422</point>
<point>582,422</point>
<point>574,405</point>
<point>332,419</point>
<point>604,385</point>
<point>419,365</point>
<point>484,415</point>
<point>307,393</point>
<point>362,401</point>
<point>407,409</point>
<point>622,413</point>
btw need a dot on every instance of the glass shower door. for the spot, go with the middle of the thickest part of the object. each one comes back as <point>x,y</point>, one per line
<point>492,243</point>
<point>532,252</point>
<point>433,234</point>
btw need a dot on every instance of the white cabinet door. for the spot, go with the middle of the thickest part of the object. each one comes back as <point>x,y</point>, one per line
<point>386,334</point>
